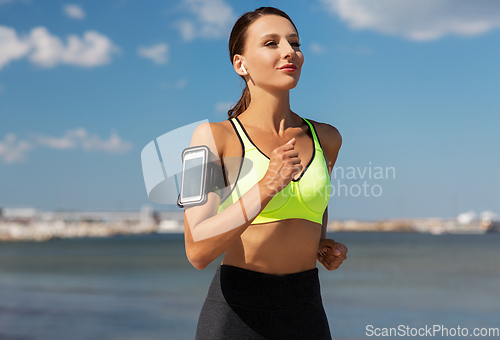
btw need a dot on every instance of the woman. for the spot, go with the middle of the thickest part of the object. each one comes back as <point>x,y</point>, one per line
<point>271,222</point>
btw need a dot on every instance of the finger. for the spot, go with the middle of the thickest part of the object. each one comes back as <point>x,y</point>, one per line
<point>282,128</point>
<point>329,243</point>
<point>290,168</point>
<point>335,263</point>
<point>342,248</point>
<point>339,260</point>
<point>345,248</point>
<point>327,260</point>
<point>339,249</point>
<point>331,259</point>
<point>292,153</point>
<point>327,264</point>
<point>294,160</point>
<point>286,147</point>
<point>333,266</point>
<point>328,249</point>
<point>298,168</point>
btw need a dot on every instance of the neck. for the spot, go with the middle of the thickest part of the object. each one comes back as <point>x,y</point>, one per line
<point>267,109</point>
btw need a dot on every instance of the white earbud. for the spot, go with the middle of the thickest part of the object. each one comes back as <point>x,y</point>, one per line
<point>243,67</point>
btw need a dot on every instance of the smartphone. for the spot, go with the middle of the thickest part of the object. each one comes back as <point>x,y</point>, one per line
<point>194,169</point>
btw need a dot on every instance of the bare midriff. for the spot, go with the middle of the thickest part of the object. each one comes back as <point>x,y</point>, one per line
<point>281,247</point>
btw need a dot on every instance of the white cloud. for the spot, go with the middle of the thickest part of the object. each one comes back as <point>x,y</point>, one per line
<point>157,53</point>
<point>419,20</point>
<point>87,141</point>
<point>223,107</point>
<point>46,50</point>
<point>317,48</point>
<point>93,50</point>
<point>354,49</point>
<point>12,150</point>
<point>212,19</point>
<point>187,29</point>
<point>74,11</point>
<point>11,46</point>
<point>181,83</point>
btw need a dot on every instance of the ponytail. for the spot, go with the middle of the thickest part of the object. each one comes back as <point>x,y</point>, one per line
<point>241,105</point>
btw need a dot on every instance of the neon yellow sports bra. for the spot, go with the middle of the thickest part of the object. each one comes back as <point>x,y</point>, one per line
<point>306,197</point>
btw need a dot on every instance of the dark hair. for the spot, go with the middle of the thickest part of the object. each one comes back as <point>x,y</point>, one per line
<point>237,41</point>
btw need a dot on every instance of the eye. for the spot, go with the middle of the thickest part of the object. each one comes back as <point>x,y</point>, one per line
<point>271,43</point>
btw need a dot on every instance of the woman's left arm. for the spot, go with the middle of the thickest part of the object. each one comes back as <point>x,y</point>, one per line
<point>330,254</point>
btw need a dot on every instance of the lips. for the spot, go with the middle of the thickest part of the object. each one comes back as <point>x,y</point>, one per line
<point>288,66</point>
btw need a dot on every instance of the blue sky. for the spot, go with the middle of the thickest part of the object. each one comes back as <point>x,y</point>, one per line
<point>409,84</point>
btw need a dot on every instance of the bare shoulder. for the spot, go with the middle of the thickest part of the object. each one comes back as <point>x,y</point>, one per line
<point>330,140</point>
<point>210,133</point>
<point>329,137</point>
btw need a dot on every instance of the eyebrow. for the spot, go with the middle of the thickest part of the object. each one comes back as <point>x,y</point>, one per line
<point>274,35</point>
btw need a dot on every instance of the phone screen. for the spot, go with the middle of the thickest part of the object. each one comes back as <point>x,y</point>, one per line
<point>193,178</point>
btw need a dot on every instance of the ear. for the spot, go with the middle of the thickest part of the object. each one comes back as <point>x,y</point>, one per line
<point>238,61</point>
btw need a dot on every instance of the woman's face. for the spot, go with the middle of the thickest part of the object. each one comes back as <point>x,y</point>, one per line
<point>272,42</point>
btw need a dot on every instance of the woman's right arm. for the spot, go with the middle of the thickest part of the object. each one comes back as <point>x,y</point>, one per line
<point>215,234</point>
<point>208,234</point>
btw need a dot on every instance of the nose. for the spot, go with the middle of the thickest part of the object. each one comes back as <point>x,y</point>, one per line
<point>287,50</point>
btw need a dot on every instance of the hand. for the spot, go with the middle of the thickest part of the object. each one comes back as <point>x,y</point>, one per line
<point>284,165</point>
<point>331,254</point>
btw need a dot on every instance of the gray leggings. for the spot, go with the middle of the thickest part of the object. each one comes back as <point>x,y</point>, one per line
<point>246,305</point>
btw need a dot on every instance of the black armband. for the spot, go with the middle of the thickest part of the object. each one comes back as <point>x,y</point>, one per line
<point>215,178</point>
<point>214,181</point>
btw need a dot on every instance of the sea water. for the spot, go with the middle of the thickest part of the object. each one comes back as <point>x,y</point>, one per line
<point>143,287</point>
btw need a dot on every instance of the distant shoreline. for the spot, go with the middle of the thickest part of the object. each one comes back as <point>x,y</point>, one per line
<point>39,230</point>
